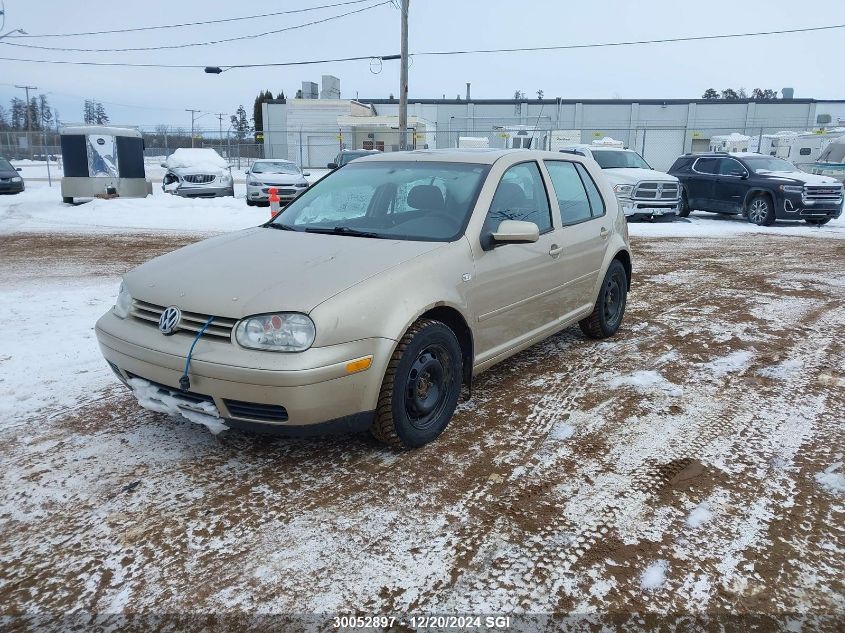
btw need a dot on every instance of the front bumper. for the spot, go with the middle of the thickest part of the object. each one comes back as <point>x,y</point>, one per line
<point>795,207</point>
<point>203,192</point>
<point>648,207</point>
<point>12,187</point>
<point>253,389</point>
<point>286,193</point>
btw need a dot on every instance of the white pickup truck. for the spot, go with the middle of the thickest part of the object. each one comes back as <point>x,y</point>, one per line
<point>642,192</point>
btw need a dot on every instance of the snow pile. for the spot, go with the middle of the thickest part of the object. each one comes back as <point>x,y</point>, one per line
<point>203,160</point>
<point>644,380</point>
<point>561,431</point>
<point>832,481</point>
<point>732,363</point>
<point>733,136</point>
<point>700,515</point>
<point>151,398</point>
<point>654,576</point>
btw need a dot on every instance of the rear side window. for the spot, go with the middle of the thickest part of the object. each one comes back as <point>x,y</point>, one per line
<point>804,151</point>
<point>571,194</point>
<point>593,195</point>
<point>706,165</point>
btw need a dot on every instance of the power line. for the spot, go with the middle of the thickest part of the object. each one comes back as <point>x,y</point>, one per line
<point>192,44</point>
<point>184,24</point>
<point>433,53</point>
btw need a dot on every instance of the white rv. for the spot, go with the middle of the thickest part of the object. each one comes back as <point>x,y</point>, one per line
<point>733,142</point>
<point>800,148</point>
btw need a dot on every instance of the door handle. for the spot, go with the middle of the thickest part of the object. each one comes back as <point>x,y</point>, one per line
<point>604,233</point>
<point>555,250</point>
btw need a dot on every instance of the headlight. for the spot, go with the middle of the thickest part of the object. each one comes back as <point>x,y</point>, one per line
<point>123,302</point>
<point>16,178</point>
<point>226,179</point>
<point>301,184</point>
<point>623,190</point>
<point>253,183</point>
<point>791,189</point>
<point>283,332</point>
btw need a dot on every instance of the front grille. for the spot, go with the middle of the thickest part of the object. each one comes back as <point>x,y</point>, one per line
<point>189,397</point>
<point>823,193</point>
<point>281,192</point>
<point>662,191</point>
<point>256,411</point>
<point>191,322</point>
<point>5,180</point>
<point>199,179</point>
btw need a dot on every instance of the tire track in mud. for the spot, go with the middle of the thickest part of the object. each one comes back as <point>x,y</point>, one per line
<point>544,561</point>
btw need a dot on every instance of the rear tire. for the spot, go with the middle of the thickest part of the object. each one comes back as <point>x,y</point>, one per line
<point>683,207</point>
<point>250,203</point>
<point>761,210</point>
<point>816,221</point>
<point>421,386</point>
<point>67,200</point>
<point>607,314</point>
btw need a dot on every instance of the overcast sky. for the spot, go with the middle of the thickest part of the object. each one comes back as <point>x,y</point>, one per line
<point>809,62</point>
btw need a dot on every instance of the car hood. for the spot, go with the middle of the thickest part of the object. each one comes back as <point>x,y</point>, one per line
<point>800,177</point>
<point>7,173</point>
<point>266,270</point>
<point>633,175</point>
<point>277,179</point>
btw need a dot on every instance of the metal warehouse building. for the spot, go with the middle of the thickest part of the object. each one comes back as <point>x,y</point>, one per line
<point>311,131</point>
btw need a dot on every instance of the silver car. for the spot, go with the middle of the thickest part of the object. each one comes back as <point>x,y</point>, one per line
<point>285,176</point>
<point>197,173</point>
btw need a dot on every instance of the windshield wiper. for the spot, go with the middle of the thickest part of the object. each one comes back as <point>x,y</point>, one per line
<point>343,230</point>
<point>280,227</point>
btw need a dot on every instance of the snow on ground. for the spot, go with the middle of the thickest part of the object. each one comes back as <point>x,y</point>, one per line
<point>654,576</point>
<point>700,515</point>
<point>702,224</point>
<point>832,479</point>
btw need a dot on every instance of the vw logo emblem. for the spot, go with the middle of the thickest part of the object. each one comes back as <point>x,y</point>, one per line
<point>168,322</point>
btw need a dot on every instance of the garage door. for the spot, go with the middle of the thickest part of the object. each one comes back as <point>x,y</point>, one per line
<point>662,147</point>
<point>322,148</point>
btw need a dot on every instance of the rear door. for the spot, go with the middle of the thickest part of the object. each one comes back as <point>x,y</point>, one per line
<point>584,234</point>
<point>700,181</point>
<point>516,294</point>
<point>731,186</point>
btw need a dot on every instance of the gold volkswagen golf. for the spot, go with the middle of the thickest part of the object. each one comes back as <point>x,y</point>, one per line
<point>376,295</point>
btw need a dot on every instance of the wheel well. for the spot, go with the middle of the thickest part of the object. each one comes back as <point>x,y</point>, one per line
<point>455,321</point>
<point>625,258</point>
<point>753,194</point>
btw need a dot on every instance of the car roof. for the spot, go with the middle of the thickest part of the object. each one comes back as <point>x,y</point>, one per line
<point>273,160</point>
<point>724,155</point>
<point>481,156</point>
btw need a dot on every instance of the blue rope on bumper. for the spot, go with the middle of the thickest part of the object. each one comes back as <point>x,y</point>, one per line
<point>185,381</point>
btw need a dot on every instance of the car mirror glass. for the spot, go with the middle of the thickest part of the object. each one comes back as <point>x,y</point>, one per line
<point>332,165</point>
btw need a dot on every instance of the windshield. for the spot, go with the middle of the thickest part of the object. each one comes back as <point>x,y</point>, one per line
<point>6,165</point>
<point>615,159</point>
<point>347,157</point>
<point>768,163</point>
<point>418,201</point>
<point>281,167</point>
<point>835,153</point>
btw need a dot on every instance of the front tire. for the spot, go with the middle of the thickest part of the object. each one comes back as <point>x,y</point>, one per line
<point>761,211</point>
<point>250,203</point>
<point>816,221</point>
<point>683,207</point>
<point>607,314</point>
<point>421,386</point>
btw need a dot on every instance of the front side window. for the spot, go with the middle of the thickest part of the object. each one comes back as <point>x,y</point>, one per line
<point>520,196</point>
<point>730,167</point>
<point>569,189</point>
<point>763,164</point>
<point>6,165</point>
<point>419,201</point>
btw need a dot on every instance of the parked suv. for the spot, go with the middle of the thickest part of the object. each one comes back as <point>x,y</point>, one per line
<point>197,173</point>
<point>348,155</point>
<point>375,295</point>
<point>762,188</point>
<point>642,192</point>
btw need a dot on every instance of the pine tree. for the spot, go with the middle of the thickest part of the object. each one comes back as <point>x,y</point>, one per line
<point>240,124</point>
<point>4,119</point>
<point>17,118</point>
<point>44,112</point>
<point>710,93</point>
<point>281,96</point>
<point>100,116</point>
<point>89,110</point>
<point>34,115</point>
<point>729,93</point>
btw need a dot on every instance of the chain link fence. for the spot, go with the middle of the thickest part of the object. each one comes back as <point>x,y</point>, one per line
<point>315,147</point>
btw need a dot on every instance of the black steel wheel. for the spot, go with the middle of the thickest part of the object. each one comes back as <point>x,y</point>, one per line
<point>421,386</point>
<point>609,308</point>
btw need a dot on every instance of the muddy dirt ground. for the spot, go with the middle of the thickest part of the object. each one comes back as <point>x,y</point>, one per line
<point>691,464</point>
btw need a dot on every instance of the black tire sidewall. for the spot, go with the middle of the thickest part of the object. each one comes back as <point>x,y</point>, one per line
<point>615,268</point>
<point>434,333</point>
<point>683,208</point>
<point>770,216</point>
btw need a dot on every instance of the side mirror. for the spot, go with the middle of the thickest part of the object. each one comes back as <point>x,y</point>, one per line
<point>306,173</point>
<point>744,175</point>
<point>516,232</point>
<point>332,165</point>
<point>17,169</point>
<point>163,165</point>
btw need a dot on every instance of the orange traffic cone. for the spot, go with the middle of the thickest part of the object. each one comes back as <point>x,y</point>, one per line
<point>275,202</point>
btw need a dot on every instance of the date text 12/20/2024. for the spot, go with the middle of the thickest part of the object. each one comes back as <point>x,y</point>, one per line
<point>465,622</point>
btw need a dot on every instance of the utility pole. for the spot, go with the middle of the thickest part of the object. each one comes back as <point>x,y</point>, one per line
<point>28,117</point>
<point>193,113</point>
<point>220,116</point>
<point>403,78</point>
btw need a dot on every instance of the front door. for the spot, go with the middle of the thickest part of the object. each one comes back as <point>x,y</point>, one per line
<point>516,291</point>
<point>699,183</point>
<point>731,186</point>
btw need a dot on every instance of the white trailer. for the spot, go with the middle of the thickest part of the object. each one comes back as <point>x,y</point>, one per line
<point>733,142</point>
<point>473,141</point>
